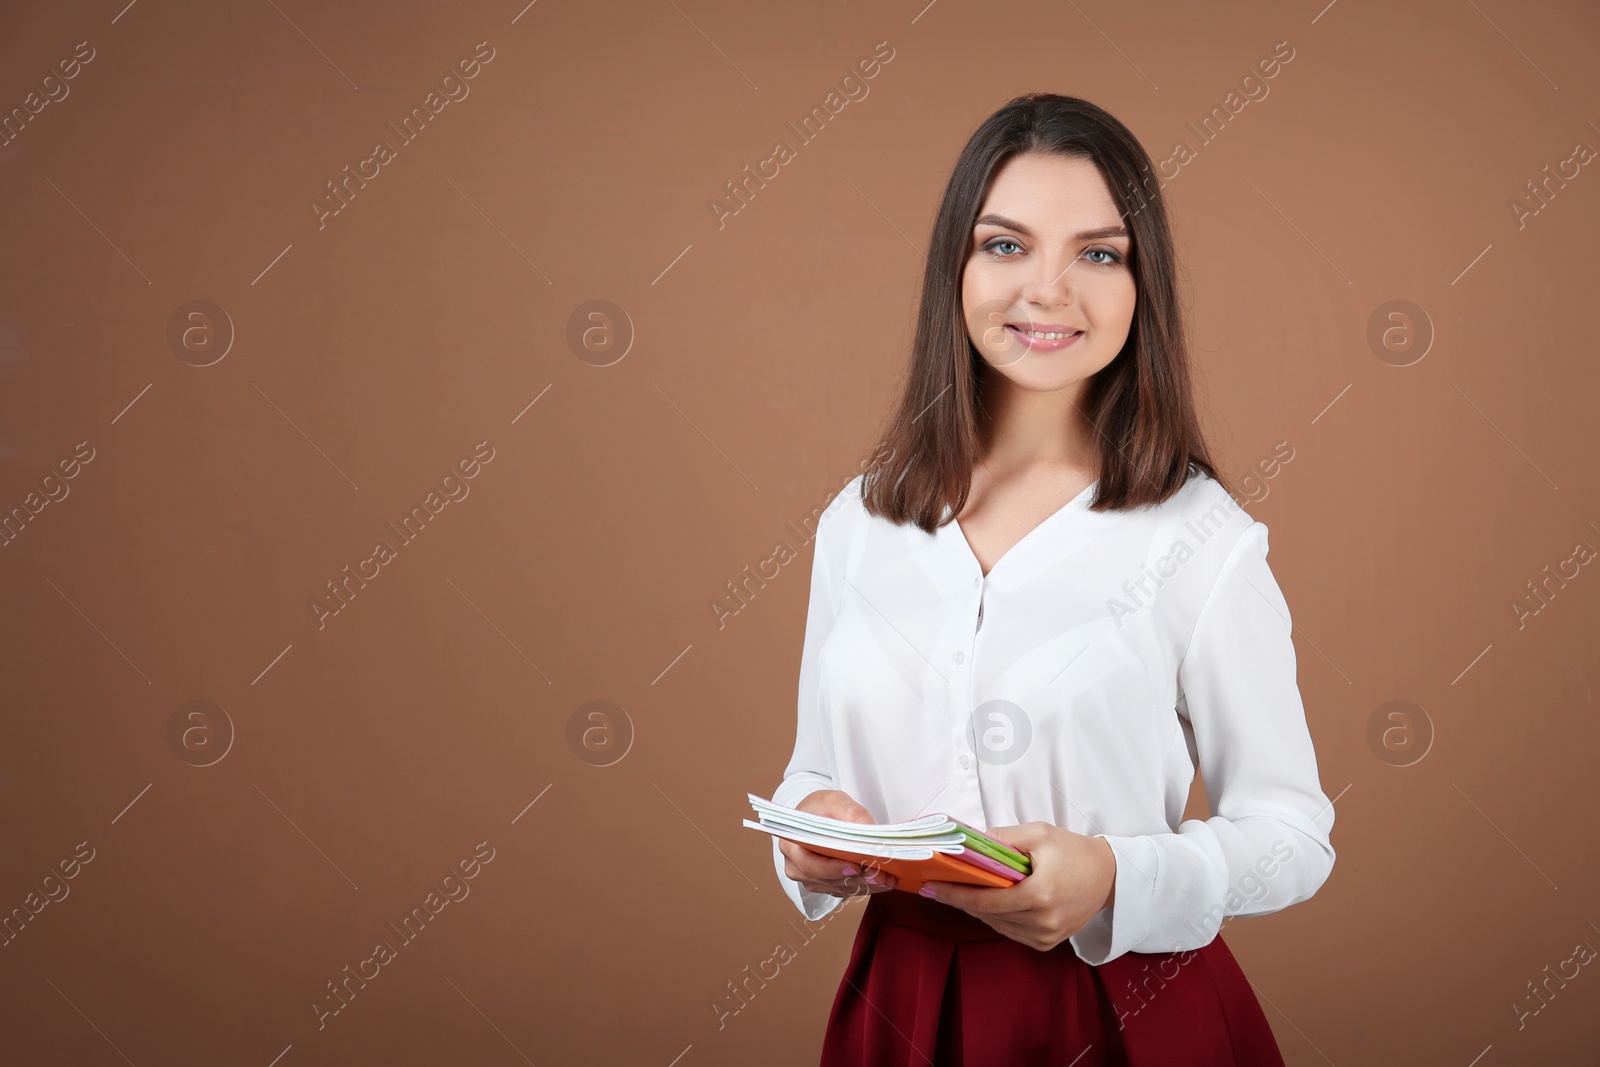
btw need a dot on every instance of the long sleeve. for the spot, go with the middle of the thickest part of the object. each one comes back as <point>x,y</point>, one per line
<point>1266,845</point>
<point>808,767</point>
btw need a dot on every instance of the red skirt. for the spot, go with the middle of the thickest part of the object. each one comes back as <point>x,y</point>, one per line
<point>929,984</point>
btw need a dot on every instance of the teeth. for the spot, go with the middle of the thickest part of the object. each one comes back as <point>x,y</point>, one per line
<point>1047,336</point>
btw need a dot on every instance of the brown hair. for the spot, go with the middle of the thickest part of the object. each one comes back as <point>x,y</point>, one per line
<point>1140,403</point>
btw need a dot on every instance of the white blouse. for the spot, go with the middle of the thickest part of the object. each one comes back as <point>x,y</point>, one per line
<point>1078,684</point>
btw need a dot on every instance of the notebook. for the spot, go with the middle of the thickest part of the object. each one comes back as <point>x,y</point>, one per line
<point>933,848</point>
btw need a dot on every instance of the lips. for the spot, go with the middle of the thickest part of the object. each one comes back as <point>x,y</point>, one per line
<point>1032,339</point>
<point>1041,327</point>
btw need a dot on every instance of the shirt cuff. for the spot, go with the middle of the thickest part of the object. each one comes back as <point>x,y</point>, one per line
<point>1115,930</point>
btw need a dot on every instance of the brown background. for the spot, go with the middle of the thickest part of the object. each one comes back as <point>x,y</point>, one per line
<point>368,756</point>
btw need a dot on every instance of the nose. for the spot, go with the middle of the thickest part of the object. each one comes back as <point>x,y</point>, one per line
<point>1050,285</point>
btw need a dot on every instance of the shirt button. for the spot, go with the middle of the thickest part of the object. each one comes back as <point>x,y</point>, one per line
<point>975,582</point>
<point>960,657</point>
<point>964,762</point>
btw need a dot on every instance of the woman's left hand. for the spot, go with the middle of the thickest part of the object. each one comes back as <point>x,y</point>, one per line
<point>1073,877</point>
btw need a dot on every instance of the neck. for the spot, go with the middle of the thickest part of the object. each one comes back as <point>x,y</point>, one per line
<point>1026,428</point>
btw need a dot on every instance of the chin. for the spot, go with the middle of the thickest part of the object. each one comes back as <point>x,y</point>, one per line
<point>1041,379</point>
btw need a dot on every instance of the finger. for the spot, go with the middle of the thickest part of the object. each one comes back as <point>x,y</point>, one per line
<point>873,880</point>
<point>1025,933</point>
<point>803,865</point>
<point>870,871</point>
<point>880,879</point>
<point>982,901</point>
<point>853,812</point>
<point>955,894</point>
<point>803,855</point>
<point>831,872</point>
<point>852,881</point>
<point>1015,930</point>
<point>819,867</point>
<point>850,887</point>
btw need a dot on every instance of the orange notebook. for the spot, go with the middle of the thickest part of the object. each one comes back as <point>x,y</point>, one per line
<point>940,867</point>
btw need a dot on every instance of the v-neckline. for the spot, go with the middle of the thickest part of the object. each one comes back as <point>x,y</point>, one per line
<point>1046,521</point>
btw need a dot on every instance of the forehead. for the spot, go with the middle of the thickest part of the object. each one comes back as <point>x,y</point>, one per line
<point>1051,194</point>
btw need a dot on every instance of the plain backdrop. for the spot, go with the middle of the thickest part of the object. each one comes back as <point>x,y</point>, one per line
<point>1389,259</point>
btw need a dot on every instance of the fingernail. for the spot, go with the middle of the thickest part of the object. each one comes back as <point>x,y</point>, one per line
<point>872,878</point>
<point>927,891</point>
<point>851,872</point>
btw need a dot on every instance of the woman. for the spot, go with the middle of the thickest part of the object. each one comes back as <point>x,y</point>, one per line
<point>1038,611</point>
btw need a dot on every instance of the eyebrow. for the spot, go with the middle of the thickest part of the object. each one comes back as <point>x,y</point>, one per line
<point>1087,235</point>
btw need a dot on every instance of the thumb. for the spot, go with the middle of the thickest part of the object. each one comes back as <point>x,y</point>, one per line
<point>851,811</point>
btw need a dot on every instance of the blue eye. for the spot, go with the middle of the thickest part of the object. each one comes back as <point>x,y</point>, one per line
<point>992,250</point>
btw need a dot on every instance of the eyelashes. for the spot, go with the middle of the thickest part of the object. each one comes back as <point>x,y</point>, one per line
<point>1115,260</point>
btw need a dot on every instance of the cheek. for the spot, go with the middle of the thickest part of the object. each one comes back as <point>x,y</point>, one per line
<point>972,289</point>
<point>1118,287</point>
<point>1110,303</point>
<point>982,278</point>
<point>985,309</point>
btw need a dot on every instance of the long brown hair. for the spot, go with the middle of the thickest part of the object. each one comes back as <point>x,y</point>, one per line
<point>1141,403</point>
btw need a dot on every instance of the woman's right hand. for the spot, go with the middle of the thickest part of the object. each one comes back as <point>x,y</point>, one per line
<point>826,874</point>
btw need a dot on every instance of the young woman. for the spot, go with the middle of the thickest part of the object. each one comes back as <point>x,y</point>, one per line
<point>1038,610</point>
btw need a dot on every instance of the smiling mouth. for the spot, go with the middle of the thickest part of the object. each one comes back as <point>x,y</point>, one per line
<point>1043,335</point>
<point>1048,339</point>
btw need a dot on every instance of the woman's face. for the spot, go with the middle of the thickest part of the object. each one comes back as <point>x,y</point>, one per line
<point>1049,250</point>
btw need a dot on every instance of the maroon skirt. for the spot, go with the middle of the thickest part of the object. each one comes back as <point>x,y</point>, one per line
<point>929,984</point>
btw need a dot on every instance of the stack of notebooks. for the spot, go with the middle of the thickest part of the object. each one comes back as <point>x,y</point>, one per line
<point>934,848</point>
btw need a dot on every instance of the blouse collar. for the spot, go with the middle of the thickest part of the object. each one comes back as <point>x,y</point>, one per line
<point>953,565</point>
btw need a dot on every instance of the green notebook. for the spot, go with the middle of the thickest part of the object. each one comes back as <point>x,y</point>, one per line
<point>998,851</point>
